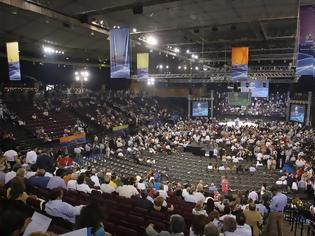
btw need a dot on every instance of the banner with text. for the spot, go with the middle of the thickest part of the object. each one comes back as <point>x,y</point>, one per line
<point>119,53</point>
<point>74,139</point>
<point>305,64</point>
<point>13,61</point>
<point>239,70</point>
<point>143,66</point>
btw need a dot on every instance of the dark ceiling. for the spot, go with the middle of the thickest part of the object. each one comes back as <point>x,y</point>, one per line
<point>208,28</point>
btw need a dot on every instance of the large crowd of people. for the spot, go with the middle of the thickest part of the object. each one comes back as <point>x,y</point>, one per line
<point>287,147</point>
<point>273,106</point>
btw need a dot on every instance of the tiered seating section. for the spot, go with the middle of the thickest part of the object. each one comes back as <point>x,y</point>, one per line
<point>123,217</point>
<point>54,124</point>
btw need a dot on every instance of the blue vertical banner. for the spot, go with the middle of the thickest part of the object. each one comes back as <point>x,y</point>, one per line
<point>239,70</point>
<point>13,61</point>
<point>120,53</point>
<point>143,66</point>
<point>305,57</point>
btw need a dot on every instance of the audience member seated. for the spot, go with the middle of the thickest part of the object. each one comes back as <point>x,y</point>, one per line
<point>177,227</point>
<point>91,216</point>
<point>127,190</point>
<point>39,179</point>
<point>58,208</point>
<point>56,181</point>
<point>81,184</point>
<point>17,191</point>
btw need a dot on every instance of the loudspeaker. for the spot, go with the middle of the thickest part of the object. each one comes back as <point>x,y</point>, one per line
<point>138,9</point>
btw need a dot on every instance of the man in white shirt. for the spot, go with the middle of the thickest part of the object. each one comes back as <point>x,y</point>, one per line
<point>10,156</point>
<point>77,151</point>
<point>31,157</point>
<point>253,195</point>
<point>127,191</point>
<point>242,229</point>
<point>106,187</point>
<point>82,186</point>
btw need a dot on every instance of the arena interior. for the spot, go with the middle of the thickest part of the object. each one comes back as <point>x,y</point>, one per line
<point>157,117</point>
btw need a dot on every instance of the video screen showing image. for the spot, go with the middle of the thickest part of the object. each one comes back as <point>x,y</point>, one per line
<point>200,108</point>
<point>257,88</point>
<point>238,99</point>
<point>297,113</point>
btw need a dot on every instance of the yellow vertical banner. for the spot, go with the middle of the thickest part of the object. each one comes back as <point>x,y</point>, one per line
<point>239,71</point>
<point>13,61</point>
<point>143,66</point>
<point>240,56</point>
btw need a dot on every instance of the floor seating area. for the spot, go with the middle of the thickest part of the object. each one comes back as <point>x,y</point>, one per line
<point>186,168</point>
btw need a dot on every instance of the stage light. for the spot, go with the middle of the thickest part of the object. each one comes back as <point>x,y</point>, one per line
<point>194,56</point>
<point>76,73</point>
<point>196,68</point>
<point>134,30</point>
<point>101,22</point>
<point>185,67</point>
<point>152,40</point>
<point>85,79</point>
<point>187,51</point>
<point>77,78</point>
<point>161,66</point>
<point>151,81</point>
<point>176,50</point>
<point>166,67</point>
<point>179,67</point>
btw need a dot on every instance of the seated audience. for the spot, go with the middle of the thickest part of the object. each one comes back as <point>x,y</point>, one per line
<point>58,208</point>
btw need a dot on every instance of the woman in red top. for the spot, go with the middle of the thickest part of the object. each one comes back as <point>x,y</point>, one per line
<point>64,161</point>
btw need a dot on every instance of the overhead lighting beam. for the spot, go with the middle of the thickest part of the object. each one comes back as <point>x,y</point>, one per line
<point>123,7</point>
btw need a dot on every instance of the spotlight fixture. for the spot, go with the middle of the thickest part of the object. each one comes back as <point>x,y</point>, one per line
<point>185,67</point>
<point>161,66</point>
<point>194,56</point>
<point>166,67</point>
<point>196,68</point>
<point>179,67</point>
<point>187,51</point>
<point>151,81</point>
<point>82,75</point>
<point>51,50</point>
<point>176,50</point>
<point>151,40</point>
<point>134,30</point>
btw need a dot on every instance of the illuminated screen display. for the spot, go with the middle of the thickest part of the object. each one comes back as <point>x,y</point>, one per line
<point>200,108</point>
<point>238,99</point>
<point>297,113</point>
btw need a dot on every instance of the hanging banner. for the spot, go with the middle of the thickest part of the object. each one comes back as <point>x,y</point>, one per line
<point>305,57</point>
<point>143,66</point>
<point>13,61</point>
<point>119,53</point>
<point>239,70</point>
<point>77,138</point>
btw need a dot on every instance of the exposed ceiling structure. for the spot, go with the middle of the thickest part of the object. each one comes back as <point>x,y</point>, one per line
<point>208,28</point>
